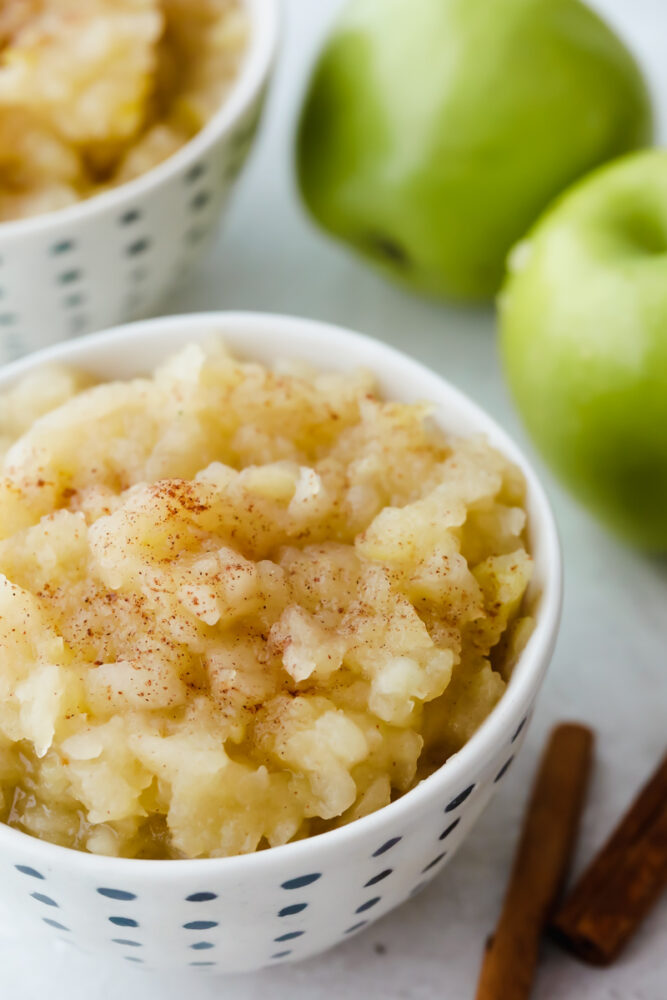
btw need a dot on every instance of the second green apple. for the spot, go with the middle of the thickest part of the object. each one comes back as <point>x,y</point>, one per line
<point>435,131</point>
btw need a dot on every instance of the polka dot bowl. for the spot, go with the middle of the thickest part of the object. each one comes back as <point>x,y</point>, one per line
<point>113,257</point>
<point>286,903</point>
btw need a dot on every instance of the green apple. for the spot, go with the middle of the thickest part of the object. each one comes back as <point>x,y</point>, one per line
<point>434,132</point>
<point>583,319</point>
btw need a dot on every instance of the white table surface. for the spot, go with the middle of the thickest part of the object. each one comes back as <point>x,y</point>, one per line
<point>610,667</point>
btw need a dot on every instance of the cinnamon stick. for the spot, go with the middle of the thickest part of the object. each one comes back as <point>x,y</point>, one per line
<point>540,866</point>
<point>613,896</point>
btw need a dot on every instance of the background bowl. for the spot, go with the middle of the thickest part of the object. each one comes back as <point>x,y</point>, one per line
<point>113,257</point>
<point>286,903</point>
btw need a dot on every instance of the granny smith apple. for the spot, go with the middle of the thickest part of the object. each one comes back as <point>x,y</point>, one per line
<point>583,319</point>
<point>434,132</point>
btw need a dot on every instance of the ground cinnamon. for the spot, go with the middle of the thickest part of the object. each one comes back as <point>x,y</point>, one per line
<point>541,864</point>
<point>616,892</point>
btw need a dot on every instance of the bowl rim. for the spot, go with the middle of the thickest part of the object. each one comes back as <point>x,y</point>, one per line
<point>265,24</point>
<point>528,672</point>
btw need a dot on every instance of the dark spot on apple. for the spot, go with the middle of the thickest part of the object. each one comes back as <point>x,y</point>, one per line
<point>390,250</point>
<point>644,232</point>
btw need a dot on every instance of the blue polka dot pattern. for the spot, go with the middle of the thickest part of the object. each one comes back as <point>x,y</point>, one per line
<point>356,927</point>
<point>74,300</point>
<point>200,200</point>
<point>139,246</point>
<point>201,964</point>
<point>459,799</point>
<point>69,277</point>
<point>126,942</point>
<point>504,769</point>
<point>63,247</point>
<point>289,936</point>
<point>201,897</point>
<point>433,863</point>
<point>195,172</point>
<point>301,881</point>
<point>25,870</point>
<point>202,945</point>
<point>386,846</point>
<point>446,832</point>
<point>288,911</point>
<point>117,894</point>
<point>520,728</point>
<point>54,923</point>
<point>200,925</point>
<point>124,921</point>
<point>281,954</point>
<point>367,905</point>
<point>132,215</point>
<point>378,878</point>
<point>41,898</point>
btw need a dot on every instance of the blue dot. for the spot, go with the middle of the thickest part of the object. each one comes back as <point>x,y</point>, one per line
<point>43,899</point>
<point>301,881</point>
<point>124,921</point>
<point>25,870</point>
<point>117,894</point>
<point>386,847</point>
<point>503,770</point>
<point>367,905</point>
<point>202,963</point>
<point>139,246</point>
<point>69,277</point>
<point>132,215</point>
<point>194,173</point>
<point>281,954</point>
<point>129,944</point>
<point>287,911</point>
<point>63,247</point>
<point>54,923</point>
<point>433,863</point>
<point>202,945</point>
<point>290,936</point>
<point>200,897</point>
<point>200,200</point>
<point>378,878</point>
<point>200,925</point>
<point>452,826</point>
<point>132,958</point>
<point>521,725</point>
<point>356,927</point>
<point>72,301</point>
<point>460,799</point>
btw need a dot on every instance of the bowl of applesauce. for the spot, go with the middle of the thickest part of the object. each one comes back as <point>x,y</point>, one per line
<point>275,604</point>
<point>123,126</point>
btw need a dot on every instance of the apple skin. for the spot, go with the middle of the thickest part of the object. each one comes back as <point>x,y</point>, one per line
<point>434,132</point>
<point>583,318</point>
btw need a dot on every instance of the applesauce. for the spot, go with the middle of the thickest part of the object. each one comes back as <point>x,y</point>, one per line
<point>94,94</point>
<point>241,605</point>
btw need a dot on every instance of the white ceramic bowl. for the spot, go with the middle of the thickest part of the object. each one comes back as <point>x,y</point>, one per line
<point>113,257</point>
<point>286,903</point>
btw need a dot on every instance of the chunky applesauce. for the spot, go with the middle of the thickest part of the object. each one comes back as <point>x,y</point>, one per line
<point>95,92</point>
<point>240,606</point>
